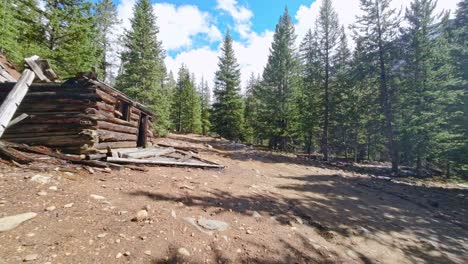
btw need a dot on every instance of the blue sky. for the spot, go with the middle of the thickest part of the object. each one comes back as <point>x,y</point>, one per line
<point>191,31</point>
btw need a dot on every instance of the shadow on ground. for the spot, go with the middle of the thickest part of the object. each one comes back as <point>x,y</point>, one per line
<point>339,208</point>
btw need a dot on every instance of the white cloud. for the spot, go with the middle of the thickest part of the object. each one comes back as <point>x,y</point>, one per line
<point>240,14</point>
<point>252,55</point>
<point>347,11</point>
<point>203,62</point>
<point>177,24</point>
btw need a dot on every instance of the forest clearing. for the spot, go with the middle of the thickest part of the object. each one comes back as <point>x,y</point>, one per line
<point>279,209</point>
<point>234,131</point>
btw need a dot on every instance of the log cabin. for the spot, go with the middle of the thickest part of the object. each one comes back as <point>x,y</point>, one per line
<point>79,116</point>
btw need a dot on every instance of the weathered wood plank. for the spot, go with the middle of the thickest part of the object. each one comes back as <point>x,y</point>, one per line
<point>113,145</point>
<point>31,61</point>
<point>147,153</point>
<point>167,163</point>
<point>117,128</point>
<point>112,136</point>
<point>14,98</point>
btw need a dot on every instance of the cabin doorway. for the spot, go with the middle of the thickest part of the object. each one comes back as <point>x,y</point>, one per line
<point>142,131</point>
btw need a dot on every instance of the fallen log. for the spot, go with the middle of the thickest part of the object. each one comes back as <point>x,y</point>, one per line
<point>147,153</point>
<point>13,154</point>
<point>194,150</point>
<point>166,163</point>
<point>46,151</point>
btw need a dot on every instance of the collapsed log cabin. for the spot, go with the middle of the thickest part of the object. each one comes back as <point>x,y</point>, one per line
<point>79,116</point>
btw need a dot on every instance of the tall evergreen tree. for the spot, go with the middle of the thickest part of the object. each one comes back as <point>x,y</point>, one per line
<point>20,30</point>
<point>106,21</point>
<point>377,29</point>
<point>252,132</point>
<point>186,104</point>
<point>227,115</point>
<point>328,34</point>
<point>311,94</point>
<point>342,96</point>
<point>70,36</point>
<point>143,69</point>
<point>426,95</point>
<point>205,97</point>
<point>278,94</point>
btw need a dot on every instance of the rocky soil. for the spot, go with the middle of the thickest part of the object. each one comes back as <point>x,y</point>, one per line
<point>263,208</point>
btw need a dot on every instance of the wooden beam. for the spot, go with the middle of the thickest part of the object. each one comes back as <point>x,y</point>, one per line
<point>17,119</point>
<point>167,163</point>
<point>31,61</point>
<point>147,153</point>
<point>14,98</point>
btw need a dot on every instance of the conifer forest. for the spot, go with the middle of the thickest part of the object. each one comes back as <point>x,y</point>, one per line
<point>393,87</point>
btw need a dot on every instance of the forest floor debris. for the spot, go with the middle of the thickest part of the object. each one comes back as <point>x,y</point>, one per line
<point>311,212</point>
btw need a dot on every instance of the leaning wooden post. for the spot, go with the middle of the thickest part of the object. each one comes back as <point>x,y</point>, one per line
<point>14,98</point>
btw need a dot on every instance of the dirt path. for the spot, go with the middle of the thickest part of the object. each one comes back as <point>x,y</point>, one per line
<point>279,210</point>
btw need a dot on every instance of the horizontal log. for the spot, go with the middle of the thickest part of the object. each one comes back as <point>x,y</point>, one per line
<point>105,107</point>
<point>135,117</point>
<point>117,128</point>
<point>42,134</point>
<point>70,106</point>
<point>111,136</point>
<point>167,163</point>
<point>106,97</point>
<point>43,128</point>
<point>114,145</point>
<point>56,141</point>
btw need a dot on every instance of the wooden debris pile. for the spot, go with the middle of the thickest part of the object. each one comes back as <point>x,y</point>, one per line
<point>42,158</point>
<point>165,156</point>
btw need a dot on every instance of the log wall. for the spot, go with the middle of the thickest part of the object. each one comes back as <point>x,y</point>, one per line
<point>76,117</point>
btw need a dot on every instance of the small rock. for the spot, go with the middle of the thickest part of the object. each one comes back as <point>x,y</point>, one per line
<point>97,197</point>
<point>352,254</point>
<point>213,224</point>
<point>42,193</point>
<point>31,257</point>
<point>255,214</point>
<point>53,188</point>
<point>50,208</point>
<point>173,214</point>
<point>40,179</point>
<point>148,252</point>
<point>183,252</point>
<point>11,222</point>
<point>68,205</point>
<point>103,235</point>
<point>249,232</point>
<point>127,253</point>
<point>299,220</point>
<point>119,255</point>
<point>239,250</point>
<point>140,216</point>
<point>117,241</point>
<point>3,201</point>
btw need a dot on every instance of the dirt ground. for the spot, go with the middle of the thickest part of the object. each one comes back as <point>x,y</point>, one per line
<point>279,210</point>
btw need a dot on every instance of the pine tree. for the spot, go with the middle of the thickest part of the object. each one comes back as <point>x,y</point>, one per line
<point>106,21</point>
<point>328,34</point>
<point>341,99</point>
<point>311,94</point>
<point>143,69</point>
<point>377,29</point>
<point>205,97</point>
<point>426,95</point>
<point>278,93</point>
<point>186,113</point>
<point>459,42</point>
<point>20,30</point>
<point>227,115</point>
<point>252,133</point>
<point>70,36</point>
